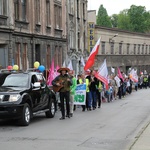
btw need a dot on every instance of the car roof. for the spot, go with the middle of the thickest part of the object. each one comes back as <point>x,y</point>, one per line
<point>29,71</point>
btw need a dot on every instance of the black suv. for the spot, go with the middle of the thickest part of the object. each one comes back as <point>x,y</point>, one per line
<point>24,94</point>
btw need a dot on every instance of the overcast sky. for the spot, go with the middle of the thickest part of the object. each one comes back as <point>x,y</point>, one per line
<point>115,6</point>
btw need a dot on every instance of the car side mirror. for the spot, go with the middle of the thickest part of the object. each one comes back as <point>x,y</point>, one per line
<point>37,85</point>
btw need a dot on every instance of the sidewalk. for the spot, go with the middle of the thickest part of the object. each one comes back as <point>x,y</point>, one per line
<point>143,140</point>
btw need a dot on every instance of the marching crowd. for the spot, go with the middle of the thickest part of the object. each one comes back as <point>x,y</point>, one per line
<point>96,91</point>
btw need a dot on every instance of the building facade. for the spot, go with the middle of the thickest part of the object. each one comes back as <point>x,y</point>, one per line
<point>121,48</point>
<point>32,30</point>
<point>77,33</point>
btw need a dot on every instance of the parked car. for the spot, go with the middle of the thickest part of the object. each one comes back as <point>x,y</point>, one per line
<point>25,94</point>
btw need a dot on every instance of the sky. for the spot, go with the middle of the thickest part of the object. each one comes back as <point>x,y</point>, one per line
<point>115,6</point>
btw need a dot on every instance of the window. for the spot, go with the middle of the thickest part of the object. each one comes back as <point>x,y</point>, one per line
<point>78,40</point>
<point>139,48</point>
<point>20,10</point>
<point>71,39</point>
<point>120,48</point>
<point>23,4</point>
<point>149,49</point>
<point>24,58</point>
<point>38,52</point>
<point>84,40</point>
<point>103,47</point>
<point>58,16</point>
<point>48,19</point>
<point>78,9</point>
<point>37,11</point>
<point>16,7</point>
<point>56,55</point>
<point>3,7</point>
<point>134,48</point>
<point>18,57</point>
<point>112,48</point>
<point>71,6</point>
<point>146,49</point>
<point>83,11</point>
<point>60,56</point>
<point>142,49</point>
<point>128,48</point>
<point>48,61</point>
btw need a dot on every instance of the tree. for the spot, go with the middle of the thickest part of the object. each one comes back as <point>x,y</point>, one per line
<point>103,18</point>
<point>114,20</point>
<point>139,18</point>
<point>124,20</point>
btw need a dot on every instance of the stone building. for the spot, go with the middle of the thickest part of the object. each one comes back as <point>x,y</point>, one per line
<point>32,30</point>
<point>77,33</point>
<point>122,48</point>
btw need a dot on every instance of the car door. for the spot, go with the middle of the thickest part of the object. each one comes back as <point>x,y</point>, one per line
<point>35,93</point>
<point>44,91</point>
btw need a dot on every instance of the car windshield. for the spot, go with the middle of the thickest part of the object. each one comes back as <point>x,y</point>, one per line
<point>15,80</point>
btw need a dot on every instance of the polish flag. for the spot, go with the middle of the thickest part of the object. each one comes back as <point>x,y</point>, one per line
<point>102,74</point>
<point>91,58</point>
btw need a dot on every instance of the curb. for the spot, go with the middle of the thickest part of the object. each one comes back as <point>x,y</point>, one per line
<point>138,136</point>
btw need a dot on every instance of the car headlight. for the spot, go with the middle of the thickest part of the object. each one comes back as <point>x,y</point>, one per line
<point>14,98</point>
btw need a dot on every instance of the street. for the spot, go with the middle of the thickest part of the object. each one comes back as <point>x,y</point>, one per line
<point>112,127</point>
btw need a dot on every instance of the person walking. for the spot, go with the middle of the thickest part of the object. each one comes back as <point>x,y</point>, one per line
<point>149,80</point>
<point>93,88</point>
<point>62,85</point>
<point>72,91</point>
<point>99,94</point>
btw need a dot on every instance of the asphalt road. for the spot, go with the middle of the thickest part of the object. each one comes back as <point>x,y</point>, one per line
<point>112,127</point>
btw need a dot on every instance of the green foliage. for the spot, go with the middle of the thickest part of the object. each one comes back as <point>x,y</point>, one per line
<point>114,20</point>
<point>124,21</point>
<point>139,18</point>
<point>103,18</point>
<point>135,19</point>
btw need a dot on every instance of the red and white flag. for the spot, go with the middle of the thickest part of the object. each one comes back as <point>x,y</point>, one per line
<point>102,74</point>
<point>91,58</point>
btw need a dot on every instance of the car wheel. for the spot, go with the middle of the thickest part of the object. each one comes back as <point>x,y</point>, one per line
<point>26,115</point>
<point>51,107</point>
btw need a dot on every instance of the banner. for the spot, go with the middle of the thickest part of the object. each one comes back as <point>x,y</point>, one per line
<point>134,76</point>
<point>80,94</point>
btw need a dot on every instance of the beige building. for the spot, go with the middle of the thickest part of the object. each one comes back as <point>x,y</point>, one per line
<point>32,30</point>
<point>123,49</point>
